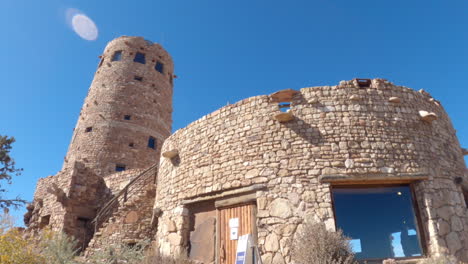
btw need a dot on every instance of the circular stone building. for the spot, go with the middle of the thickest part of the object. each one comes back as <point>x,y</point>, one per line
<point>381,162</point>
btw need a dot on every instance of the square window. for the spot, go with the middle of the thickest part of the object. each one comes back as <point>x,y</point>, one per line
<point>119,167</point>
<point>152,143</point>
<point>380,221</point>
<point>140,58</point>
<point>159,67</point>
<point>138,78</point>
<point>88,129</point>
<point>117,55</point>
<point>127,117</point>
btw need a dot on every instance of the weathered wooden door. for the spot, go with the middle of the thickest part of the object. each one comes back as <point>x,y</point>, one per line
<point>246,215</point>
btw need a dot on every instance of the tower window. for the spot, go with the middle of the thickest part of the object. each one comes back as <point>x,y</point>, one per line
<point>127,117</point>
<point>88,129</point>
<point>131,144</point>
<point>117,55</point>
<point>140,58</point>
<point>119,167</point>
<point>159,67</point>
<point>138,78</point>
<point>152,143</point>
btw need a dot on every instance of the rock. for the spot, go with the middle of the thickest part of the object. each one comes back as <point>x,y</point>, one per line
<point>272,243</point>
<point>427,117</point>
<point>280,208</point>
<point>354,97</point>
<point>267,258</point>
<point>309,197</point>
<point>453,242</point>
<point>174,239</point>
<point>456,223</point>
<point>278,259</point>
<point>284,117</point>
<point>170,226</point>
<point>349,163</point>
<point>131,217</point>
<point>443,227</point>
<point>251,173</point>
<point>395,100</point>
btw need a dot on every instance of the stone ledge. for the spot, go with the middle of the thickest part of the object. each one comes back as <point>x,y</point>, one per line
<point>373,178</point>
<point>255,187</point>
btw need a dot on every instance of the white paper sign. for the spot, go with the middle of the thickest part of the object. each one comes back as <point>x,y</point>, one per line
<point>234,233</point>
<point>234,222</point>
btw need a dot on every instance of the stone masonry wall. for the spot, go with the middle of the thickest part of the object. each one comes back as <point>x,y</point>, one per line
<point>104,137</point>
<point>356,133</point>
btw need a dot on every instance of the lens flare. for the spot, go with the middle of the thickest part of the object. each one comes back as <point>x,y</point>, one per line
<point>82,24</point>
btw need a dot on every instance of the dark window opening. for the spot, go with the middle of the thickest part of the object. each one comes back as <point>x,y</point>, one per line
<point>117,55</point>
<point>119,167</point>
<point>152,143</point>
<point>83,222</point>
<point>159,67</point>
<point>140,58</point>
<point>138,78</point>
<point>127,117</point>
<point>380,221</point>
<point>88,129</point>
<point>131,145</point>
<point>364,83</point>
<point>45,220</point>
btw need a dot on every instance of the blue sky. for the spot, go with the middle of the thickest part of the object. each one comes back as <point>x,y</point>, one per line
<point>223,51</point>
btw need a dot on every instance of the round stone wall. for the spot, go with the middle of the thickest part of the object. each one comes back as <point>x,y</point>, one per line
<point>128,102</point>
<point>344,133</point>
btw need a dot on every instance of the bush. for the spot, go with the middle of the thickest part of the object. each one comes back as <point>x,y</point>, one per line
<point>315,244</point>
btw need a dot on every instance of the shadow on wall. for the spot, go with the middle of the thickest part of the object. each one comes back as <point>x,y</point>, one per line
<point>302,128</point>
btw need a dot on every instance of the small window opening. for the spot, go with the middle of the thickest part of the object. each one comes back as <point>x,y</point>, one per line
<point>117,55</point>
<point>127,117</point>
<point>131,144</point>
<point>119,167</point>
<point>138,78</point>
<point>45,220</point>
<point>364,83</point>
<point>140,58</point>
<point>152,143</point>
<point>284,107</point>
<point>83,222</point>
<point>159,67</point>
<point>88,129</point>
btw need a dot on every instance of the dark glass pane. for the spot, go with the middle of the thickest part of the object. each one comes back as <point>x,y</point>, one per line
<point>380,221</point>
<point>117,56</point>
<point>159,67</point>
<point>119,167</point>
<point>152,142</point>
<point>140,58</point>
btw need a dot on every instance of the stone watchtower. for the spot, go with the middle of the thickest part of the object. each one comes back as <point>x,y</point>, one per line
<point>124,120</point>
<point>127,112</point>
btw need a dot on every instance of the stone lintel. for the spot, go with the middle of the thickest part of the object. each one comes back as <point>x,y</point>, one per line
<point>374,178</point>
<point>252,188</point>
<point>283,95</point>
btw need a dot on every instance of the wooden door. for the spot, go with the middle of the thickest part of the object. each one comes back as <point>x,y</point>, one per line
<point>246,213</point>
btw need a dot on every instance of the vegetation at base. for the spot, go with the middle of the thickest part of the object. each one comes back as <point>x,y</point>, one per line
<point>315,244</point>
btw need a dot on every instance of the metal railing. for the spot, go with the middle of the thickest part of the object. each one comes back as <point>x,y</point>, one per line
<point>134,187</point>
